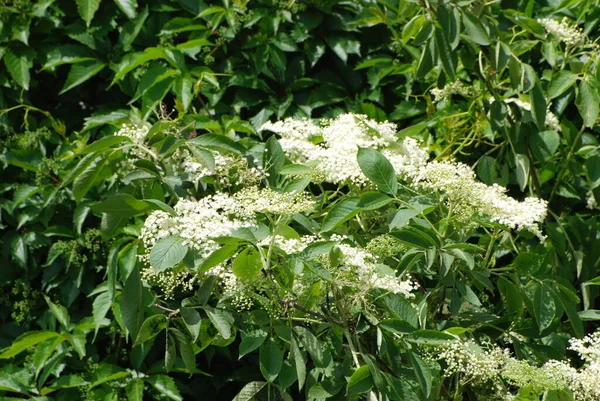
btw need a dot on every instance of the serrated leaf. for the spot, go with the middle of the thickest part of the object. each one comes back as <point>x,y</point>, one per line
<point>100,308</point>
<point>128,7</point>
<point>87,9</point>
<point>135,390</point>
<point>18,62</point>
<point>247,264</point>
<point>164,385</point>
<point>588,102</point>
<point>123,205</point>
<point>221,320</point>
<point>373,200</point>
<point>544,306</point>
<point>26,341</point>
<point>361,381</point>
<point>341,212</point>
<point>271,360</point>
<point>151,327</point>
<point>251,341</point>
<point>562,81</point>
<point>475,29</point>
<point>191,319</point>
<point>217,142</point>
<point>248,392</point>
<point>167,252</point>
<point>81,72</point>
<point>378,169</point>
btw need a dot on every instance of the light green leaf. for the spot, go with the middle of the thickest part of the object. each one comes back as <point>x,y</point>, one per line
<point>167,252</point>
<point>183,90</point>
<point>430,337</point>
<point>221,320</point>
<point>561,81</point>
<point>123,205</point>
<point>544,306</point>
<point>81,72</point>
<point>100,308</point>
<point>373,200</point>
<point>135,390</point>
<point>378,169</point>
<point>164,385</point>
<point>247,264</point>
<point>217,142</point>
<point>361,381</point>
<point>133,60</point>
<point>341,212</point>
<point>588,102</point>
<point>26,341</point>
<point>422,372</point>
<point>249,391</point>
<point>87,9</point>
<point>128,7</point>
<point>18,62</point>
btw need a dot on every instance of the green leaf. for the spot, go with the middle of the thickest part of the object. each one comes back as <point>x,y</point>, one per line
<point>544,307</point>
<point>164,385</point>
<point>191,319</point>
<point>588,102</point>
<point>511,297</point>
<point>274,159</point>
<point>185,350</point>
<point>378,169</point>
<point>312,345</point>
<point>100,308</point>
<point>475,29</point>
<point>562,81</point>
<point>18,62</point>
<point>155,204</point>
<point>217,257</point>
<point>251,341</point>
<point>373,200</point>
<point>522,170</point>
<point>221,320</point>
<point>183,90</point>
<point>341,212</point>
<point>86,180</point>
<point>123,205</point>
<point>87,9</point>
<point>422,372</point>
<point>248,392</point>
<point>135,390</point>
<point>299,362</point>
<point>247,264</point>
<point>81,72</point>
<point>167,252</point>
<point>430,337</point>
<point>543,145</point>
<point>396,326</point>
<point>446,56</point>
<point>128,7</point>
<point>538,106</point>
<point>151,327</point>
<point>131,303</point>
<point>104,143</point>
<point>133,60</point>
<point>60,313</point>
<point>361,381</point>
<point>217,142</point>
<point>569,306</point>
<point>26,341</point>
<point>271,360</point>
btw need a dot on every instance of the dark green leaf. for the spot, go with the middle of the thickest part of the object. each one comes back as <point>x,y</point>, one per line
<point>271,360</point>
<point>123,205</point>
<point>343,211</point>
<point>191,319</point>
<point>249,391</point>
<point>151,327</point>
<point>588,102</point>
<point>87,9</point>
<point>164,385</point>
<point>82,72</point>
<point>251,341</point>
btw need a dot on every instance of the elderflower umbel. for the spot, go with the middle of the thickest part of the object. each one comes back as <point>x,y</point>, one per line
<point>468,196</point>
<point>137,135</point>
<point>334,144</point>
<point>197,222</point>
<point>168,281</point>
<point>266,200</point>
<point>563,30</point>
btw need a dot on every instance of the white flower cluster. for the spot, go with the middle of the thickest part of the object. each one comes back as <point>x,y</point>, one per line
<point>137,135</point>
<point>453,88</point>
<point>591,200</point>
<point>469,197</point>
<point>490,365</point>
<point>359,269</point>
<point>197,222</point>
<point>168,280</point>
<point>563,31</point>
<point>334,145</point>
<point>551,121</point>
<point>268,201</point>
<point>289,245</point>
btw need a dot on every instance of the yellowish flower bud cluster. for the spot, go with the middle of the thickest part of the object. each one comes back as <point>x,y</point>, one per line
<point>268,201</point>
<point>452,88</point>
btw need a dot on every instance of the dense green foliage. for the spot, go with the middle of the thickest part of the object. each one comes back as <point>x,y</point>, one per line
<point>484,82</point>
